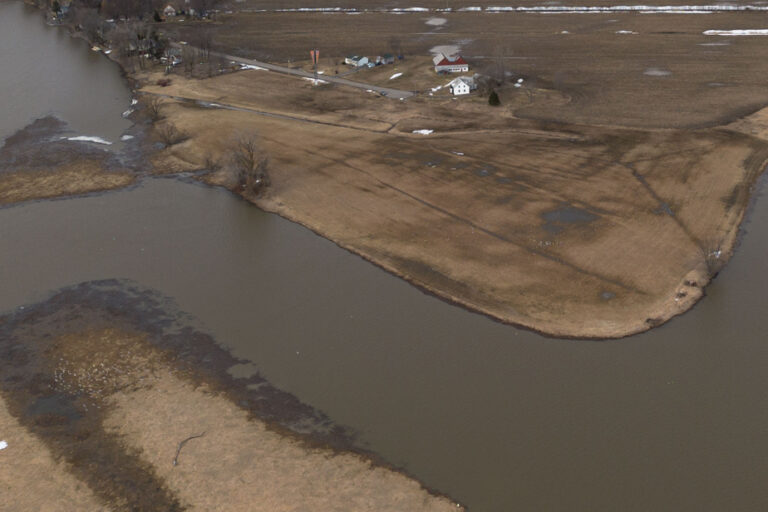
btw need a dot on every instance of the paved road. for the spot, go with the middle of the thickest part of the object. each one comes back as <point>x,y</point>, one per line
<point>392,93</point>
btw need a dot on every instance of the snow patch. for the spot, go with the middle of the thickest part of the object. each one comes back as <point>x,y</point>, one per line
<point>625,32</point>
<point>126,137</point>
<point>423,132</point>
<point>753,32</point>
<point>3,445</point>
<point>255,68</point>
<point>436,22</point>
<point>315,81</point>
<point>446,49</point>
<point>656,72</point>
<point>87,138</point>
<point>396,75</point>
<point>564,32</point>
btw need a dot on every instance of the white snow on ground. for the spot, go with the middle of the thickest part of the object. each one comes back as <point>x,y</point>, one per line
<point>3,445</point>
<point>676,9</point>
<point>436,22</point>
<point>87,138</point>
<point>564,32</point>
<point>423,132</point>
<point>134,101</point>
<point>625,32</point>
<point>435,89</point>
<point>255,68</point>
<point>396,75</point>
<point>126,137</point>
<point>545,9</point>
<point>656,72</point>
<point>447,49</point>
<point>107,52</point>
<point>315,82</point>
<point>754,32</point>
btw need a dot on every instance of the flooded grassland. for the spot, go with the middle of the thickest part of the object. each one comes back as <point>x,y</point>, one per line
<point>115,391</point>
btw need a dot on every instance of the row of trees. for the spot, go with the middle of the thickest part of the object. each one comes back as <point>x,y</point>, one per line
<point>133,9</point>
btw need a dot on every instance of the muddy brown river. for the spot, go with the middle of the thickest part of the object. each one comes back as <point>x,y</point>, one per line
<point>498,418</point>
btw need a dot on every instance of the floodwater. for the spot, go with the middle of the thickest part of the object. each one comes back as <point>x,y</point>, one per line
<point>45,71</point>
<point>499,418</point>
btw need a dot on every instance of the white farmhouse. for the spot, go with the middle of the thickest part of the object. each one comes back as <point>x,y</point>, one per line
<point>169,11</point>
<point>356,61</point>
<point>462,85</point>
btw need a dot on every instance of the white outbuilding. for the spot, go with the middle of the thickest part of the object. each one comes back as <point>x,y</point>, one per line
<point>356,61</point>
<point>462,85</point>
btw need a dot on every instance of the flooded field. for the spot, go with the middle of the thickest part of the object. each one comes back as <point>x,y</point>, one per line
<point>495,417</point>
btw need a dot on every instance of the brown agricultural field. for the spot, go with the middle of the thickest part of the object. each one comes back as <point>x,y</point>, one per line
<point>668,74</point>
<point>567,229</point>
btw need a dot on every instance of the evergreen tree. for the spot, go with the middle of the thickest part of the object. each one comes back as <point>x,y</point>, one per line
<point>493,99</point>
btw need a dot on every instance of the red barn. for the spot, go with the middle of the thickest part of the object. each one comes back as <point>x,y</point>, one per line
<point>452,64</point>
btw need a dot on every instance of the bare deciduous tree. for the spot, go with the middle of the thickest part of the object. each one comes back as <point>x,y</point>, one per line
<point>251,165</point>
<point>154,107</point>
<point>169,134</point>
<point>396,46</point>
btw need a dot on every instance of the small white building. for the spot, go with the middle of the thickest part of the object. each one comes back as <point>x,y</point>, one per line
<point>169,11</point>
<point>449,64</point>
<point>462,85</point>
<point>356,61</point>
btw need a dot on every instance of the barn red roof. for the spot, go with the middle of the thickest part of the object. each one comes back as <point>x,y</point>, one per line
<point>451,61</point>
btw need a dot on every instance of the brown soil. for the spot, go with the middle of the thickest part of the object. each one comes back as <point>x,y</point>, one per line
<point>604,73</point>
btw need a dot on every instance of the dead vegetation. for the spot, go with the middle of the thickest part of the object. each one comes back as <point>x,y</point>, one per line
<point>168,134</point>
<point>445,210</point>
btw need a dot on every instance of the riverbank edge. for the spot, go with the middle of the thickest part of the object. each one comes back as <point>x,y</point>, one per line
<point>670,309</point>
